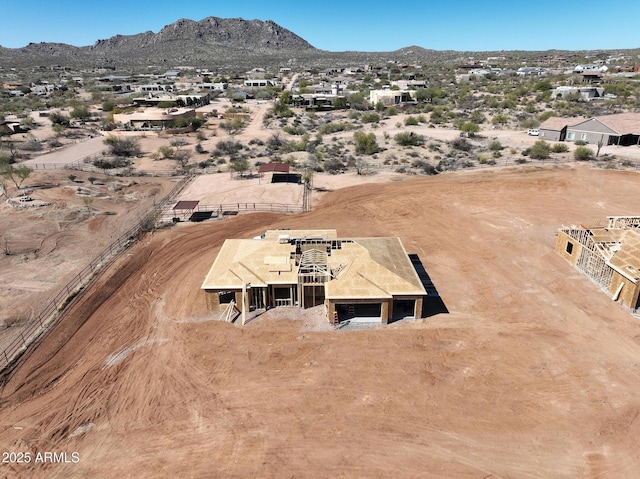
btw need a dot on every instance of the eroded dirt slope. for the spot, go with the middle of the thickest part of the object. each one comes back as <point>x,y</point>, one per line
<point>533,373</point>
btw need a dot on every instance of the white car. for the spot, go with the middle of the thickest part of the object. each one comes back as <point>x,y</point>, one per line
<point>24,199</point>
<point>533,132</point>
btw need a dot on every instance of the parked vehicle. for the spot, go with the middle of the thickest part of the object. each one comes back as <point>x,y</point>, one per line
<point>24,199</point>
<point>533,132</point>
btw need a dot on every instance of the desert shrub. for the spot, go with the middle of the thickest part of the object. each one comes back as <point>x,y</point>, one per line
<point>425,166</point>
<point>166,152</point>
<point>461,144</point>
<point>580,142</point>
<point>80,112</point>
<point>122,146</point>
<point>32,144</point>
<point>583,153</point>
<point>199,148</point>
<point>178,142</point>
<point>411,121</point>
<point>540,150</point>
<point>333,166</point>
<point>499,120</point>
<point>294,130</point>
<point>227,147</point>
<point>559,148</point>
<point>365,143</point>
<point>408,138</point>
<point>59,119</point>
<point>371,117</point>
<point>495,145</point>
<point>109,164</point>
<point>329,128</point>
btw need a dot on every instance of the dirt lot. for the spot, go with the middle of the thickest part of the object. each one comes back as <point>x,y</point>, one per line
<point>532,373</point>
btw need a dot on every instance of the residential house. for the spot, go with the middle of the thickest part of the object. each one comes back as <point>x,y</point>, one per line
<point>392,97</point>
<point>355,279</point>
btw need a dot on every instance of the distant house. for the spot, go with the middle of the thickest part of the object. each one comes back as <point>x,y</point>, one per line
<point>582,93</point>
<point>191,100</point>
<point>154,87</point>
<point>152,119</point>
<point>259,82</point>
<point>9,127</point>
<point>392,97</point>
<point>212,86</point>
<point>320,101</point>
<point>525,71</point>
<point>621,129</point>
<point>554,128</point>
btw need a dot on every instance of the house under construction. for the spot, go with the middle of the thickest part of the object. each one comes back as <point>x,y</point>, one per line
<point>608,255</point>
<point>357,279</point>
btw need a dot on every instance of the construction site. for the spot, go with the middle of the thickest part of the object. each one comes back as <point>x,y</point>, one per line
<point>368,280</point>
<point>609,255</point>
<point>528,371</point>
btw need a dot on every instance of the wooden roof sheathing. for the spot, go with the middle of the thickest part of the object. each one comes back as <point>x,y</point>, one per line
<point>366,268</point>
<point>627,258</point>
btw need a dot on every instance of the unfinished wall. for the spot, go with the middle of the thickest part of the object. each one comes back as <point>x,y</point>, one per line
<point>561,247</point>
<point>629,293</point>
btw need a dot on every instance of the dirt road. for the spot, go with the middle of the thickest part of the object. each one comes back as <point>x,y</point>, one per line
<point>69,154</point>
<point>532,373</point>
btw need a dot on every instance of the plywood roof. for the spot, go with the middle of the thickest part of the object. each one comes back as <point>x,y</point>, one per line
<point>364,268</point>
<point>627,258</point>
<point>275,234</point>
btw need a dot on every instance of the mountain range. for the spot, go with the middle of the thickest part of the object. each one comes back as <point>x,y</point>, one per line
<point>224,44</point>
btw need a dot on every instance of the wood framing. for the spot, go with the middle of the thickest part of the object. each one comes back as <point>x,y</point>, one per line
<point>356,279</point>
<point>609,256</point>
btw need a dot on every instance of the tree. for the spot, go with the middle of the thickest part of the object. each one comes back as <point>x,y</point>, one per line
<point>80,112</point>
<point>58,118</point>
<point>15,175</point>
<point>182,156</point>
<point>240,166</point>
<point>499,120</point>
<point>365,143</point>
<point>122,146</point>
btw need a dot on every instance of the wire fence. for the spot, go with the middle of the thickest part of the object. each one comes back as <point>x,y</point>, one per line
<point>49,315</point>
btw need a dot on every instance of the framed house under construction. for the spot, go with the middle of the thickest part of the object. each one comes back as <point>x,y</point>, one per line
<point>356,279</point>
<point>608,255</point>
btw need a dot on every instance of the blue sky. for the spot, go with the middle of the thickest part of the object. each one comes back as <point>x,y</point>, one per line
<point>345,25</point>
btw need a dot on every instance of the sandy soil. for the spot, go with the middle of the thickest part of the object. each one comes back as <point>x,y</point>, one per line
<point>532,373</point>
<point>45,246</point>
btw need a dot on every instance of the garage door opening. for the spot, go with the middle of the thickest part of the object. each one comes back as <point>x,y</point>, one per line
<point>360,312</point>
<point>404,309</point>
